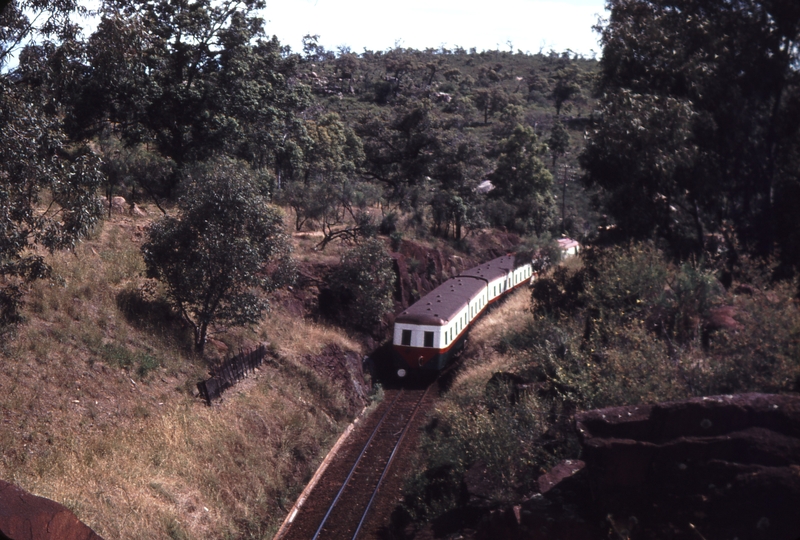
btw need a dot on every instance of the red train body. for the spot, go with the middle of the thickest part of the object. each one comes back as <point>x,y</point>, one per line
<point>428,333</point>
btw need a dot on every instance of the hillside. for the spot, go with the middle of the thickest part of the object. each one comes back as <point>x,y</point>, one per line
<point>618,328</point>
<point>99,397</point>
<point>100,410</point>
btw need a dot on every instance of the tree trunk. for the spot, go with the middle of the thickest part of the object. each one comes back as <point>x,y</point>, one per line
<point>200,334</point>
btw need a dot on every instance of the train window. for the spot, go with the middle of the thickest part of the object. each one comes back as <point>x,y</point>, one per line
<point>406,340</point>
<point>428,339</point>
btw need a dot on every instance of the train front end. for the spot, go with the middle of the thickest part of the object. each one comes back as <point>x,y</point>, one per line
<point>428,333</point>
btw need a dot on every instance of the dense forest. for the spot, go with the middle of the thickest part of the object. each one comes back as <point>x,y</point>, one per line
<point>676,134</point>
<point>168,95</point>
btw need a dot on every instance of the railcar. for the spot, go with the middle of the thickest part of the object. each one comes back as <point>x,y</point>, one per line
<point>428,333</point>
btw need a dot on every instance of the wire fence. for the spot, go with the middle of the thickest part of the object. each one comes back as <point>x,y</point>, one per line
<point>230,371</point>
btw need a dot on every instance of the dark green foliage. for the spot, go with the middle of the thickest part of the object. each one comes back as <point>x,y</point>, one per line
<point>225,248</point>
<point>522,180</point>
<point>628,303</point>
<point>630,285</point>
<point>566,87</point>
<point>194,79</point>
<point>490,101</point>
<point>363,284</point>
<point>626,328</point>
<point>326,189</point>
<point>558,143</point>
<point>47,187</point>
<point>430,493</point>
<point>400,150</point>
<point>388,226</point>
<point>134,171</point>
<point>698,124</point>
<point>47,191</point>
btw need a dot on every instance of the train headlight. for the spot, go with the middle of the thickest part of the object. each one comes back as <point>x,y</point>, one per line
<point>401,373</point>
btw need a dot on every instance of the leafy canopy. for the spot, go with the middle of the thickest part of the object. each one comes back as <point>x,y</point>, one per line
<point>698,123</point>
<point>193,79</point>
<point>226,247</point>
<point>522,181</point>
<point>363,283</point>
<point>47,187</point>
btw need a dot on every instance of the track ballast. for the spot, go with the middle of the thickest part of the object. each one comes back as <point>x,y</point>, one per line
<point>343,503</point>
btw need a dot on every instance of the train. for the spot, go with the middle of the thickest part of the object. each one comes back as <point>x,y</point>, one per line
<point>429,332</point>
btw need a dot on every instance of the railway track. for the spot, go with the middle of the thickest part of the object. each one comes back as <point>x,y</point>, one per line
<point>342,504</point>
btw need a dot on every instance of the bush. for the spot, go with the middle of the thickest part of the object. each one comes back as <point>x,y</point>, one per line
<point>396,239</point>
<point>363,284</point>
<point>388,224</point>
<point>212,258</point>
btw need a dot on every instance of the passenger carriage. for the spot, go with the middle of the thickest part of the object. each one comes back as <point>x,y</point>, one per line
<point>428,333</point>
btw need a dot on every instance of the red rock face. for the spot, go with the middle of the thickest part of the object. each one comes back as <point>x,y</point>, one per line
<point>27,517</point>
<point>716,467</point>
<point>727,465</point>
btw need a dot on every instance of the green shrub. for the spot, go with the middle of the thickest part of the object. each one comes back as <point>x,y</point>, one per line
<point>363,284</point>
<point>388,224</point>
<point>396,240</point>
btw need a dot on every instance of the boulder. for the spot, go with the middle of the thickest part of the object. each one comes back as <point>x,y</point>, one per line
<point>723,466</point>
<point>117,204</point>
<point>137,211</point>
<point>24,516</point>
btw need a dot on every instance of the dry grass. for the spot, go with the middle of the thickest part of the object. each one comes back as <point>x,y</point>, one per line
<point>98,412</point>
<point>482,360</point>
<point>294,336</point>
<point>509,315</point>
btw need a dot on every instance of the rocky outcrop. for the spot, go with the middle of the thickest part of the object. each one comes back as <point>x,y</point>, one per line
<point>420,269</point>
<point>27,517</point>
<point>712,467</point>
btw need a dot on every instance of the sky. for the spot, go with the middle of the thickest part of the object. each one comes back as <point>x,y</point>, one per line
<point>378,25</point>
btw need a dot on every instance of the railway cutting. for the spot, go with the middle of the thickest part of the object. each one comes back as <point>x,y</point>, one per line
<point>355,494</point>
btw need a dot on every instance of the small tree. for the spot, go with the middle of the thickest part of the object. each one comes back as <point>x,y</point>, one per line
<point>226,244</point>
<point>558,141</point>
<point>522,180</point>
<point>363,283</point>
<point>565,89</point>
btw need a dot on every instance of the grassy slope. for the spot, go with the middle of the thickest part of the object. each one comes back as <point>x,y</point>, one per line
<point>98,412</point>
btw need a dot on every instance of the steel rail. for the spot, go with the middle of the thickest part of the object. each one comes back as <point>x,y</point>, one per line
<point>389,463</point>
<point>353,469</point>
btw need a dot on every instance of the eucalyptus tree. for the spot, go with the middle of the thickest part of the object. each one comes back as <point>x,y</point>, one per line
<point>401,149</point>
<point>222,252</point>
<point>363,284</point>
<point>328,189</point>
<point>521,181</point>
<point>697,131</point>
<point>47,187</point>
<point>192,79</point>
<point>558,142</point>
